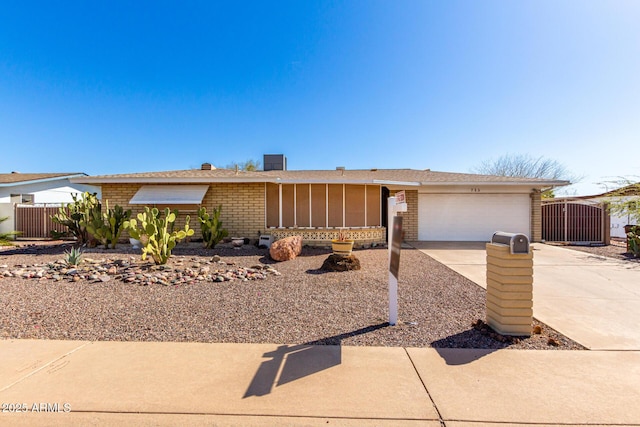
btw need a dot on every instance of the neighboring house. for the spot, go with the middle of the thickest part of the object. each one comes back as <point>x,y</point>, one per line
<point>316,204</point>
<point>36,188</point>
<point>629,193</point>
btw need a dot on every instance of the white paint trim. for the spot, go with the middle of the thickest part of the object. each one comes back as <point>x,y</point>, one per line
<point>310,208</point>
<point>279,205</point>
<point>365,206</point>
<point>344,207</point>
<point>326,205</point>
<point>295,205</point>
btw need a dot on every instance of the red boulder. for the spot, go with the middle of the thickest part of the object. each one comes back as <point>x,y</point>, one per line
<point>286,249</point>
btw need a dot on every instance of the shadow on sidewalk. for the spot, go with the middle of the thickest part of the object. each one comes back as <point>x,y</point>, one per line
<point>298,361</point>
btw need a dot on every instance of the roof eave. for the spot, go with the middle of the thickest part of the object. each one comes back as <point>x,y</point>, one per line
<point>43,180</point>
<point>194,180</point>
<point>536,184</point>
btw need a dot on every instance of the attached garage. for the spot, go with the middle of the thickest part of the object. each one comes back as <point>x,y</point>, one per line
<point>318,204</point>
<point>472,217</point>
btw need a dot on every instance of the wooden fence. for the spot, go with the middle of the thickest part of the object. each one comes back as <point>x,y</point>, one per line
<point>34,221</point>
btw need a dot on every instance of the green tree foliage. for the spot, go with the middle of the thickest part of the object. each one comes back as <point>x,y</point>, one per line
<point>625,199</point>
<point>249,165</point>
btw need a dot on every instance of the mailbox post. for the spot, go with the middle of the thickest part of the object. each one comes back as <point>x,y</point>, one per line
<point>510,284</point>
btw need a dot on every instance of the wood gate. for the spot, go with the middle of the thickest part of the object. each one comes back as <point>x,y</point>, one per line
<point>573,221</point>
<point>34,221</point>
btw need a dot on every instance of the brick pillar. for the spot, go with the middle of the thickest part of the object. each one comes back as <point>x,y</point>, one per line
<point>536,215</point>
<point>509,290</point>
<point>410,217</point>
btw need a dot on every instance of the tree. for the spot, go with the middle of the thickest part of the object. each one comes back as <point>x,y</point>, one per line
<point>249,165</point>
<point>625,199</point>
<point>526,166</point>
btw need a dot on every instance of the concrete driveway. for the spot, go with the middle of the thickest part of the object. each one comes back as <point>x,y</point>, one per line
<point>591,299</point>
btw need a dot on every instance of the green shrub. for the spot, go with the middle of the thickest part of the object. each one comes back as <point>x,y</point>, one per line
<point>6,238</point>
<point>633,237</point>
<point>212,231</point>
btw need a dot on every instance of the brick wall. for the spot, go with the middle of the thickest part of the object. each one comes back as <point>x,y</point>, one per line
<point>242,206</point>
<point>536,216</point>
<point>410,218</point>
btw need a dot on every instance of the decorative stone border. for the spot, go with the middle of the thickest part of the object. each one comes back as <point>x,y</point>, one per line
<point>323,236</point>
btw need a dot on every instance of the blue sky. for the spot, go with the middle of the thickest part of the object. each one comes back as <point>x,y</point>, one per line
<point>117,87</point>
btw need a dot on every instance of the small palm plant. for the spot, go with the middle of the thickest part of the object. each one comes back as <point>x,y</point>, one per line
<point>6,238</point>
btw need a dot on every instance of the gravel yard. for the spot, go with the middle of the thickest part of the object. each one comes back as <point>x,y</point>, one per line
<point>437,307</point>
<point>617,249</point>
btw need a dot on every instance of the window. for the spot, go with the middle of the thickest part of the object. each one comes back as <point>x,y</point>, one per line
<point>25,199</point>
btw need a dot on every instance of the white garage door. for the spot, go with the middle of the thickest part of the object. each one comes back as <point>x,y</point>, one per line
<point>471,217</point>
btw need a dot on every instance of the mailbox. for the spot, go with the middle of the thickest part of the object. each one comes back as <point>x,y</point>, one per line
<point>518,243</point>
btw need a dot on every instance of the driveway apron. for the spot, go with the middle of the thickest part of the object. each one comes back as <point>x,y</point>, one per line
<point>591,299</point>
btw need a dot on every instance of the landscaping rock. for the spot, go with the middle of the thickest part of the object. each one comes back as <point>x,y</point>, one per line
<point>286,249</point>
<point>341,263</point>
<point>142,274</point>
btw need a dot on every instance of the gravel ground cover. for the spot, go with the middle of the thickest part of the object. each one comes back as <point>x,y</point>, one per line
<point>617,249</point>
<point>298,304</point>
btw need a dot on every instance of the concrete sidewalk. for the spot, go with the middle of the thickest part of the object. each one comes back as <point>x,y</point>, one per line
<point>591,299</point>
<point>116,383</point>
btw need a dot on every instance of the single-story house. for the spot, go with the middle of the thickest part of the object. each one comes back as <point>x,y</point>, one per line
<point>37,189</point>
<point>627,194</point>
<point>318,203</point>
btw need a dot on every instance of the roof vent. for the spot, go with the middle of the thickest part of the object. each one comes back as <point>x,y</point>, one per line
<point>207,167</point>
<point>274,162</point>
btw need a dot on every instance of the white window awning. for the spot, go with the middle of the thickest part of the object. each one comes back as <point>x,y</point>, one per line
<point>169,195</point>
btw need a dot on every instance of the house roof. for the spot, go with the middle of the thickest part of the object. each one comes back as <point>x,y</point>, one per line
<point>628,190</point>
<point>400,177</point>
<point>16,178</point>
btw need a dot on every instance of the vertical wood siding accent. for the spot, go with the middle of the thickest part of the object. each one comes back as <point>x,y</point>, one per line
<point>355,205</point>
<point>318,205</point>
<point>302,205</point>
<point>272,205</point>
<point>288,219</point>
<point>335,205</point>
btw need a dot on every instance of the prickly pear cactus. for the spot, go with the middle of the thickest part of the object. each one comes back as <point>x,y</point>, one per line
<point>212,231</point>
<point>106,227</point>
<point>156,233</point>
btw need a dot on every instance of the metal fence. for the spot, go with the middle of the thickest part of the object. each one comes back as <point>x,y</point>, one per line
<point>34,221</point>
<point>575,222</point>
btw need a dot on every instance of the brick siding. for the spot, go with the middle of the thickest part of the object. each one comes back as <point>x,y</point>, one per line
<point>536,216</point>
<point>242,206</point>
<point>410,217</point>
